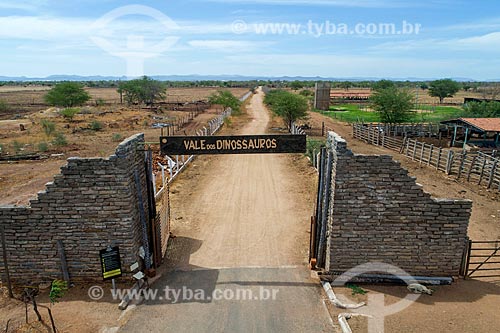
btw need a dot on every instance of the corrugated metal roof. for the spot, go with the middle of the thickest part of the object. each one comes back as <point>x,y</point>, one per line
<point>485,124</point>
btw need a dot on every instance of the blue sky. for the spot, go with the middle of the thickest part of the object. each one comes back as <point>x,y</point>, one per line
<point>456,38</point>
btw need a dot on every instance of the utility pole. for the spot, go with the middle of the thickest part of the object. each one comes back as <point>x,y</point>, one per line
<point>416,97</point>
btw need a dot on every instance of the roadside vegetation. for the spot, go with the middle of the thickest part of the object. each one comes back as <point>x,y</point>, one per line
<point>227,100</point>
<point>290,107</point>
<point>314,146</point>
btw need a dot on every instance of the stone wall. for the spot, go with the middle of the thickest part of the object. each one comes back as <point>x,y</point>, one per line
<point>379,213</point>
<point>91,204</point>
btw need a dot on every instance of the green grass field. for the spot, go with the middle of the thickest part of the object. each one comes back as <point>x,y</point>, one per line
<point>352,113</point>
<point>439,113</point>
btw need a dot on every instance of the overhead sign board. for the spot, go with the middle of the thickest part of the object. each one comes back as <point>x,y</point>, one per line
<point>244,144</point>
<point>110,263</point>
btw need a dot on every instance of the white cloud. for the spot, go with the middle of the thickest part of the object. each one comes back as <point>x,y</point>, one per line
<point>487,24</point>
<point>39,28</point>
<point>476,44</point>
<point>489,41</point>
<point>60,28</point>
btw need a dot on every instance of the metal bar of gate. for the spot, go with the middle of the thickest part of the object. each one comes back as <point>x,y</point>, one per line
<point>469,246</point>
<point>481,265</point>
<point>319,204</point>
<point>482,262</point>
<point>486,263</point>
<point>326,204</point>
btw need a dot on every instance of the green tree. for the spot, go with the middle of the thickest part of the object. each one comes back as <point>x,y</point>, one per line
<point>296,85</point>
<point>346,85</point>
<point>226,99</point>
<point>67,94</point>
<point>393,105</point>
<point>443,89</point>
<point>424,86</point>
<point>383,84</point>
<point>290,107</point>
<point>483,109</point>
<point>152,90</point>
<point>142,91</point>
<point>130,91</point>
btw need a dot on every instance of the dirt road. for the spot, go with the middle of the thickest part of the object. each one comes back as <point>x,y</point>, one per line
<point>240,222</point>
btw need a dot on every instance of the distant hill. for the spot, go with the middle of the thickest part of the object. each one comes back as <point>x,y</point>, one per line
<point>195,77</point>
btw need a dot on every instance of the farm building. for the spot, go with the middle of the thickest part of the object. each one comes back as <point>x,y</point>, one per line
<point>481,132</point>
<point>350,95</point>
<point>474,99</point>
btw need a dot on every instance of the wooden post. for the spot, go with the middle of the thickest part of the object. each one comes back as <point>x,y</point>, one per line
<point>449,162</point>
<point>464,155</point>
<point>454,136</point>
<point>482,170</point>
<point>439,158</point>
<point>414,150</point>
<point>466,134</point>
<point>422,153</point>
<point>5,262</point>
<point>492,174</point>
<point>430,155</point>
<point>323,128</point>
<point>471,167</point>
<point>403,146</point>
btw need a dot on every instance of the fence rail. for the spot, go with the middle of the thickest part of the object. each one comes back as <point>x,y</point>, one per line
<point>472,166</point>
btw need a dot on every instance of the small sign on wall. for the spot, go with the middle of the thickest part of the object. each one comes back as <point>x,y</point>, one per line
<point>110,263</point>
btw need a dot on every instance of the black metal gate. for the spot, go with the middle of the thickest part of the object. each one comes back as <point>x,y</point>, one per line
<point>318,238</point>
<point>481,259</point>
